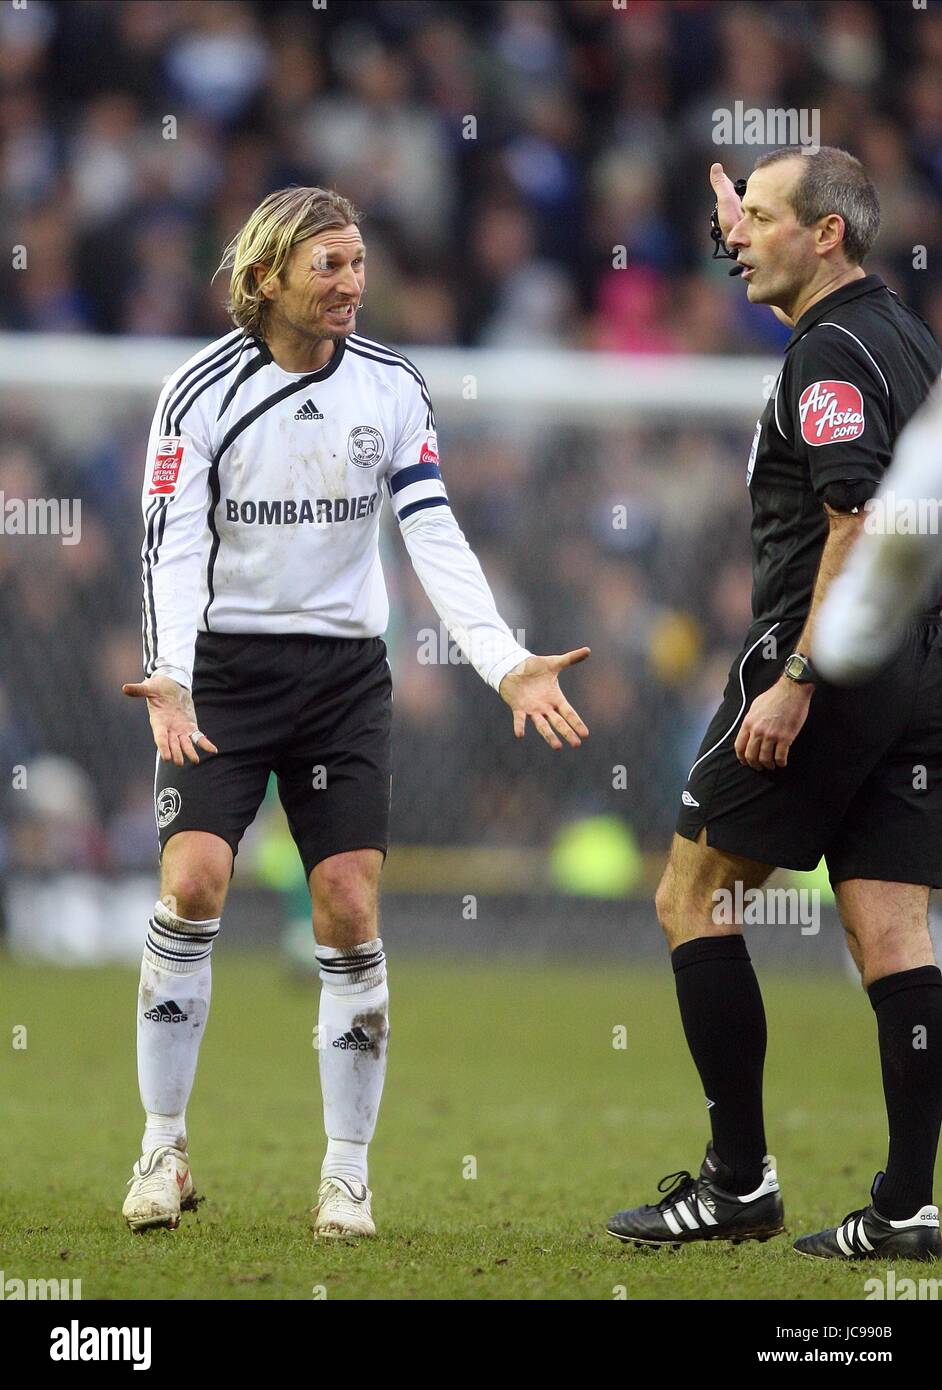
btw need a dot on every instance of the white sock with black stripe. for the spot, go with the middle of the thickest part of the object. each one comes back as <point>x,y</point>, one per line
<point>172,1007</point>
<point>353,1030</point>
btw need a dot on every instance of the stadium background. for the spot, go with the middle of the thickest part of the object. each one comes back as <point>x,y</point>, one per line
<point>593,131</point>
<point>602,393</point>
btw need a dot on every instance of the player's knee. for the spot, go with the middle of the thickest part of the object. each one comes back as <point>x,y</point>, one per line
<point>853,946</point>
<point>195,892</point>
<point>345,899</point>
<point>665,901</point>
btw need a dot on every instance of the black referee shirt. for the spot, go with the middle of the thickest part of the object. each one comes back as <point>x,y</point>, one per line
<point>859,363</point>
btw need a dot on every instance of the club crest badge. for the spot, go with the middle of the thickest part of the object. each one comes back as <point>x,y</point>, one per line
<point>365,446</point>
<point>168,806</point>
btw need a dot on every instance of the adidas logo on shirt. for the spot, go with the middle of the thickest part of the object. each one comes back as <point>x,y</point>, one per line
<point>308,411</point>
<point>356,1040</point>
<point>169,1012</point>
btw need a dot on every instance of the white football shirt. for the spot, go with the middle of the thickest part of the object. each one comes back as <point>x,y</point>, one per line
<point>262,498</point>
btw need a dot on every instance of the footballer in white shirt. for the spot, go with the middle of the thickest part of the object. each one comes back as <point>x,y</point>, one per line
<point>884,582</point>
<point>270,456</point>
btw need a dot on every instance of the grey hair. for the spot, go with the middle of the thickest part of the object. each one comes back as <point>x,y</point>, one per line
<point>833,181</point>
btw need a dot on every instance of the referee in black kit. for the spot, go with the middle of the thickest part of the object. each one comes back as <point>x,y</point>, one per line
<point>792,768</point>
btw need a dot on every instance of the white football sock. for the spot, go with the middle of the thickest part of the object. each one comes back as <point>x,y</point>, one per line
<point>172,1007</point>
<point>353,1032</point>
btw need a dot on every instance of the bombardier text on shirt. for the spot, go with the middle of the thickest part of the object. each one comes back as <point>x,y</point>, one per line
<point>321,511</point>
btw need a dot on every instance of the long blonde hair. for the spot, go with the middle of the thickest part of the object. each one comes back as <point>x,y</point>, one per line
<point>284,218</point>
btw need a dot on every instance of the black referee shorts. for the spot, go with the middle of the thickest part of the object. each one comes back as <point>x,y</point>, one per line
<point>863,784</point>
<point>316,711</point>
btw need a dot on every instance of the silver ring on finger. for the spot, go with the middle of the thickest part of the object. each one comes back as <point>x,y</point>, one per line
<point>195,736</point>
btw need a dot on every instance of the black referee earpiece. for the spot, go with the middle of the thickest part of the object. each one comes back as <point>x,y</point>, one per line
<point>720,249</point>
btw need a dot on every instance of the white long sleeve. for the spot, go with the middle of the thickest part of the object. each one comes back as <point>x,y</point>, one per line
<point>450,574</point>
<point>174,502</point>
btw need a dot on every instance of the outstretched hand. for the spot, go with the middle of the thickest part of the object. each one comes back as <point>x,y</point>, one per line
<point>532,691</point>
<point>172,718</point>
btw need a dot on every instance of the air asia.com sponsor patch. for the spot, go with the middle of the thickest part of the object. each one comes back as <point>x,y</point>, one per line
<point>167,462</point>
<point>831,412</point>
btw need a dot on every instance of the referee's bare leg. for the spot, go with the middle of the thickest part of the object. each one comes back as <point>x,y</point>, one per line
<point>718,994</point>
<point>887,930</point>
<point>353,1029</point>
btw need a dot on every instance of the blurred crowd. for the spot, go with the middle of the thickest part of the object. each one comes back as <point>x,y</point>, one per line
<point>590,129</point>
<point>500,150</point>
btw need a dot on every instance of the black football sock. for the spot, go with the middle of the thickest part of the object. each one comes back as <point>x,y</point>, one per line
<point>908,1006</point>
<point>724,1022</point>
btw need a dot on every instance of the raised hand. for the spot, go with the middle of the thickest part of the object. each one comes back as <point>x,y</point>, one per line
<point>532,691</point>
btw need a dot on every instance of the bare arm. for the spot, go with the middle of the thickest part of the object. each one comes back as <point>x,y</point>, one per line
<point>776,717</point>
<point>845,527</point>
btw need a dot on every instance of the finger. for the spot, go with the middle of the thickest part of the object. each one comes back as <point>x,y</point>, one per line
<point>742,743</point>
<point>188,746</point>
<point>781,753</point>
<point>520,723</point>
<point>573,718</point>
<point>539,723</point>
<point>752,751</point>
<point>176,751</point>
<point>562,728</point>
<point>135,689</point>
<point>717,176</point>
<point>162,741</point>
<point>206,745</point>
<point>570,658</point>
<point>767,753</point>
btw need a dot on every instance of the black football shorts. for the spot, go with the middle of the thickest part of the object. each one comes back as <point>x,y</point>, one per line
<point>863,783</point>
<point>316,711</point>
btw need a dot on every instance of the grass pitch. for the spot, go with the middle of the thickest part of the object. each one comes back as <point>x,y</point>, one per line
<point>508,1073</point>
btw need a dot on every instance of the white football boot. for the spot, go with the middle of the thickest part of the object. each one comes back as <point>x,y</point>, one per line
<point>161,1188</point>
<point>343,1209</point>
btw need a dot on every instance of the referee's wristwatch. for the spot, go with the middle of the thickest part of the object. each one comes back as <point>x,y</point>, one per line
<point>798,668</point>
